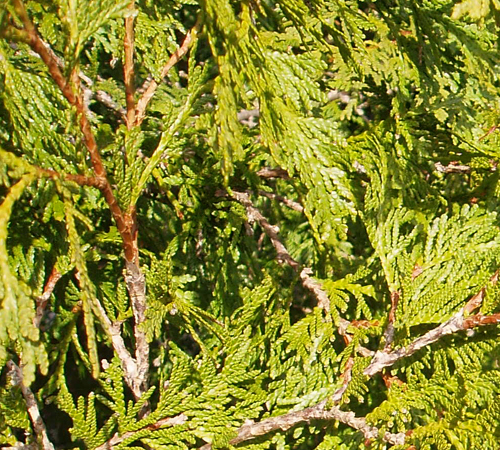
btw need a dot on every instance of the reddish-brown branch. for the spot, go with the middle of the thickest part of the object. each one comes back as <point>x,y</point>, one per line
<point>346,377</point>
<point>128,66</point>
<point>43,300</point>
<point>149,91</point>
<point>81,180</point>
<point>480,320</point>
<point>137,370</point>
<point>76,100</point>
<point>36,43</point>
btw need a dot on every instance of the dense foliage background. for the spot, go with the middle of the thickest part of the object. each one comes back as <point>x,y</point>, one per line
<point>249,224</point>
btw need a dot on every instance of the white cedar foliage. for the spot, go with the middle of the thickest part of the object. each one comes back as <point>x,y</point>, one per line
<point>364,133</point>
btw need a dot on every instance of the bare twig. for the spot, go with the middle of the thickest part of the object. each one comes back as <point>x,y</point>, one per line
<point>316,412</point>
<point>453,167</point>
<point>458,322</point>
<point>135,370</point>
<point>106,99</point>
<point>167,422</point>
<point>315,287</point>
<point>283,255</point>
<point>491,130</point>
<point>456,167</point>
<point>128,66</point>
<point>136,285</point>
<point>113,331</point>
<point>346,377</point>
<point>33,411</point>
<point>43,300</point>
<point>267,172</point>
<point>81,180</point>
<point>149,91</point>
<point>271,231</point>
<point>290,203</point>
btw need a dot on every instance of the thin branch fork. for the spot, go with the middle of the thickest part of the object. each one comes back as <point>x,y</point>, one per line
<point>283,255</point>
<point>167,422</point>
<point>290,203</point>
<point>142,104</point>
<point>132,372</point>
<point>36,418</point>
<point>316,412</point>
<point>125,222</point>
<point>34,40</point>
<point>460,321</point>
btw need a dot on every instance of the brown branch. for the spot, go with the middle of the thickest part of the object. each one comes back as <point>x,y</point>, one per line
<point>316,412</point>
<point>267,172</point>
<point>283,255</point>
<point>136,372</point>
<point>346,376</point>
<point>167,422</point>
<point>128,66</point>
<point>271,231</point>
<point>114,333</point>
<point>315,287</point>
<point>305,275</point>
<point>290,203</point>
<point>81,180</point>
<point>458,322</point>
<point>76,99</point>
<point>108,101</point>
<point>136,285</point>
<point>453,167</point>
<point>33,411</point>
<point>491,130</point>
<point>149,91</point>
<point>43,300</point>
<point>101,96</point>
